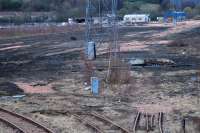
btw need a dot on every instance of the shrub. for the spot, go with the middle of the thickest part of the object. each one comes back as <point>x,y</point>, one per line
<point>188,11</point>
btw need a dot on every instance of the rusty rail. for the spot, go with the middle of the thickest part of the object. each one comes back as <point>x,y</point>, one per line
<point>90,124</point>
<point>136,122</point>
<point>160,118</point>
<point>12,125</point>
<point>27,120</point>
<point>101,117</point>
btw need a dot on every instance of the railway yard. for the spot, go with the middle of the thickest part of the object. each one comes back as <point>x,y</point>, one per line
<point>43,89</point>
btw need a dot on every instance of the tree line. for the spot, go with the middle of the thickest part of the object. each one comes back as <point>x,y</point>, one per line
<point>76,8</point>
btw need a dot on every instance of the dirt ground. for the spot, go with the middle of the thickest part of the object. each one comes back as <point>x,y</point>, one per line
<point>49,69</point>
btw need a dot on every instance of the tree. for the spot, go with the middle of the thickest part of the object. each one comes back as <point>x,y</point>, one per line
<point>150,8</point>
<point>196,10</point>
<point>188,11</point>
<point>13,5</point>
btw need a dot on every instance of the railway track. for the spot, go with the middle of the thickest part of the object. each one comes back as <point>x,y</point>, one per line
<point>100,123</point>
<point>29,39</point>
<point>89,124</point>
<point>149,122</point>
<point>21,124</point>
<point>11,125</point>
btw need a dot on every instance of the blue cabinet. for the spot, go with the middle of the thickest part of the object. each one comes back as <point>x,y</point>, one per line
<point>95,85</point>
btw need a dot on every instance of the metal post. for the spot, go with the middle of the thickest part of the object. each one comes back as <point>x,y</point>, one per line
<point>102,32</point>
<point>114,26</point>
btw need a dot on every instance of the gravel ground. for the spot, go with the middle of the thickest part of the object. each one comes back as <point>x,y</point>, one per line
<point>5,129</point>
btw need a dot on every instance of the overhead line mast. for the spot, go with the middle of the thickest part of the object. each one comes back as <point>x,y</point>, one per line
<point>106,30</point>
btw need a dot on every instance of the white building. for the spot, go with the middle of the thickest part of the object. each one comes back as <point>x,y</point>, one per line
<point>71,21</point>
<point>136,18</point>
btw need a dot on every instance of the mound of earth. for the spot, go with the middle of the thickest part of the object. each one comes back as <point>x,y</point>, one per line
<point>10,89</point>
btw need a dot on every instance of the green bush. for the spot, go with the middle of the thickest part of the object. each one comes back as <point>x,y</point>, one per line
<point>188,11</point>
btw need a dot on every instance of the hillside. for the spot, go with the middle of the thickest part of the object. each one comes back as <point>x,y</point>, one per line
<point>41,5</point>
<point>64,9</point>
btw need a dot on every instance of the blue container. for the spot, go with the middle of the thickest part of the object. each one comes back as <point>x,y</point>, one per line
<point>91,51</point>
<point>95,85</point>
<point>177,16</point>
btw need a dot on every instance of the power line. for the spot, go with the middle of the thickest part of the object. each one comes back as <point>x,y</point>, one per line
<point>106,27</point>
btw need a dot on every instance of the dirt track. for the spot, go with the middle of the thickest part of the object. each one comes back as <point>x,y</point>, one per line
<point>50,61</point>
